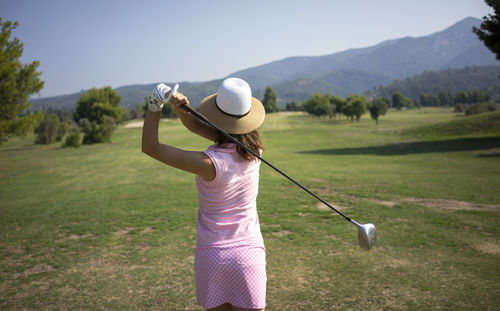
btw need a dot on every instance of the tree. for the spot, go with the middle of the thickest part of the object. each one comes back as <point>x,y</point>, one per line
<point>293,105</point>
<point>378,108</point>
<point>461,97</point>
<point>98,132</point>
<point>74,139</point>
<point>269,101</point>
<point>94,104</point>
<point>97,112</point>
<point>398,100</point>
<point>356,106</point>
<point>62,130</point>
<point>337,104</point>
<point>478,108</point>
<point>47,129</point>
<point>489,31</point>
<point>445,98</point>
<point>340,105</point>
<point>17,82</point>
<point>319,105</point>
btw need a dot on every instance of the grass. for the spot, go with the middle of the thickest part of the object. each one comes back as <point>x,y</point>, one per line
<point>105,227</point>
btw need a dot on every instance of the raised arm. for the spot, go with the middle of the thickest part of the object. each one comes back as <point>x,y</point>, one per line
<point>190,161</point>
<point>195,125</point>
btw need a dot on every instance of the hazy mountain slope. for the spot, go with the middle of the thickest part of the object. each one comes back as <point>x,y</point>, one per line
<point>398,58</point>
<point>342,73</point>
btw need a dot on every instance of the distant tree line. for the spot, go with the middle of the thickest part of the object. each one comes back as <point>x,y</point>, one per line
<point>448,99</point>
<point>468,79</point>
<point>354,106</point>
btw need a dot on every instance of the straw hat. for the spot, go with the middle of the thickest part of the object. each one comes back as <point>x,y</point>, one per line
<point>233,108</point>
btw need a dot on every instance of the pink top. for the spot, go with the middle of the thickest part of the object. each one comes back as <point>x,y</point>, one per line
<point>227,204</point>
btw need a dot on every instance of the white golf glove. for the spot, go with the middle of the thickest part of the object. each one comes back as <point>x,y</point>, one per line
<point>158,99</point>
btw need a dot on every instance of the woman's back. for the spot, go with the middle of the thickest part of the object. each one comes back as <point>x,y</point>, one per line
<point>227,204</point>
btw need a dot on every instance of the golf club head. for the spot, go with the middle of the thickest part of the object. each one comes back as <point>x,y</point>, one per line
<point>367,234</point>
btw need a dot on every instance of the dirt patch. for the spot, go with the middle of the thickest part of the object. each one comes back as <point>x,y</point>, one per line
<point>74,237</point>
<point>147,230</point>
<point>396,263</point>
<point>134,124</point>
<point>452,204</point>
<point>491,248</point>
<point>281,233</point>
<point>39,268</point>
<point>434,203</point>
<point>384,203</point>
<point>123,232</point>
<point>322,206</point>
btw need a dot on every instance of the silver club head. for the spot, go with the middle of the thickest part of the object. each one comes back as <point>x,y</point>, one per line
<point>367,234</point>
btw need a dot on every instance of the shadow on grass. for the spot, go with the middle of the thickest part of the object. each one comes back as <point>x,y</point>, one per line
<point>451,145</point>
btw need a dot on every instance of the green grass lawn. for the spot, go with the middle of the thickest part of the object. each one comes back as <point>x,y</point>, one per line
<point>106,227</point>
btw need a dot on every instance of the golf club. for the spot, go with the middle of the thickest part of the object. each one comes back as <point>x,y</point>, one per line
<point>367,233</point>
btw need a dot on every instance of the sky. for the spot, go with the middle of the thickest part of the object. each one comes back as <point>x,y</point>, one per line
<point>96,43</point>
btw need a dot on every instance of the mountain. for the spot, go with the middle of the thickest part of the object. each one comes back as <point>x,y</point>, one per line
<point>455,47</point>
<point>342,73</point>
<point>132,95</point>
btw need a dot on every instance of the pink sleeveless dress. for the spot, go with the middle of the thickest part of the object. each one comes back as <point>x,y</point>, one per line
<point>230,257</point>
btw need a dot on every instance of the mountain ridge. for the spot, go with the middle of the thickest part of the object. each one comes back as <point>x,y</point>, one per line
<point>341,73</point>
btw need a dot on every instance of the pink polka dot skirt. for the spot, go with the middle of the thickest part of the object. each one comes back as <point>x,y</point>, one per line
<point>232,273</point>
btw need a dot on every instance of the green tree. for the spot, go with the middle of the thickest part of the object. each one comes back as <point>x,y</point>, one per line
<point>62,130</point>
<point>17,82</point>
<point>293,105</point>
<point>318,105</point>
<point>478,108</point>
<point>74,139</point>
<point>94,104</point>
<point>168,111</point>
<point>428,100</point>
<point>459,108</point>
<point>337,104</point>
<point>489,31</point>
<point>356,106</point>
<point>445,98</point>
<point>398,100</point>
<point>477,96</point>
<point>270,100</point>
<point>378,108</point>
<point>97,112</point>
<point>47,129</point>
<point>340,106</point>
<point>97,132</point>
<point>461,97</point>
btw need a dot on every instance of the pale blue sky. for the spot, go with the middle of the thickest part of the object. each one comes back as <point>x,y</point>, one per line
<point>82,44</point>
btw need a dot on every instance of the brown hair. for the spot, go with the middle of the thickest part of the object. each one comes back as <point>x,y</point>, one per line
<point>252,140</point>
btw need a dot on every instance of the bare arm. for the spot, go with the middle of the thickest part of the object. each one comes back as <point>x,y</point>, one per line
<point>190,161</point>
<point>195,125</point>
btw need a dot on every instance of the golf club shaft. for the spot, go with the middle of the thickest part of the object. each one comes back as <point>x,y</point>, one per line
<point>205,120</point>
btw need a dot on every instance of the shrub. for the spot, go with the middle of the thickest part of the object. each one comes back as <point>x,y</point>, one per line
<point>74,139</point>
<point>95,132</point>
<point>478,108</point>
<point>459,108</point>
<point>62,130</point>
<point>47,129</point>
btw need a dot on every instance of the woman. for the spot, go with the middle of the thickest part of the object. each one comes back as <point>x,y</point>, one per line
<point>230,259</point>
